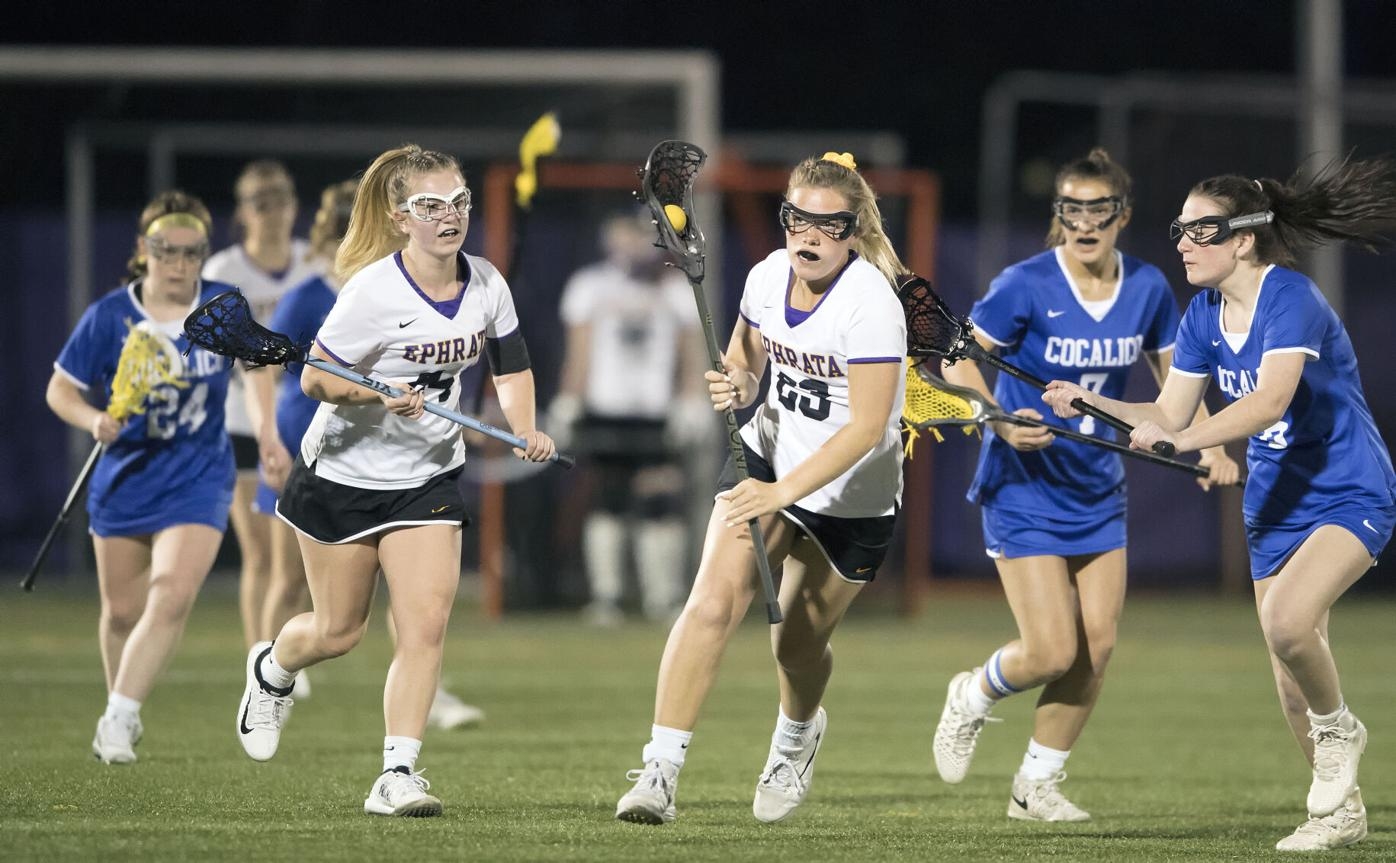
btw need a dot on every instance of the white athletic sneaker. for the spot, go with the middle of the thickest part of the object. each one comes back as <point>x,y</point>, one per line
<point>1347,826</point>
<point>403,794</point>
<point>1041,800</point>
<point>786,778</point>
<point>958,730</point>
<point>300,690</point>
<point>260,714</point>
<point>1337,752</point>
<point>115,740</point>
<point>651,801</point>
<point>449,712</point>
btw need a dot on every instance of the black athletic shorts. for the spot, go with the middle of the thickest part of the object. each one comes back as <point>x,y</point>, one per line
<point>245,452</point>
<point>332,513</point>
<point>855,547</point>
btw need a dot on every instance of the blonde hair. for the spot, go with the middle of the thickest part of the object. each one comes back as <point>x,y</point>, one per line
<point>332,219</point>
<point>870,240</point>
<point>371,233</point>
<point>165,203</point>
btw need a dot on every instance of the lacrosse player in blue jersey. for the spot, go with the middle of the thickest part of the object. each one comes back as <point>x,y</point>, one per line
<point>160,492</point>
<point>1320,500</point>
<point>1054,510</point>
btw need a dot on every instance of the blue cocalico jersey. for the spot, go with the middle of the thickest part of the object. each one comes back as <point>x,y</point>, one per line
<point>1036,315</point>
<point>299,316</point>
<point>172,464</point>
<point>1323,462</point>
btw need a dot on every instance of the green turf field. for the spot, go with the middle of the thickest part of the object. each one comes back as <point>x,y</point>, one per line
<point>1187,757</point>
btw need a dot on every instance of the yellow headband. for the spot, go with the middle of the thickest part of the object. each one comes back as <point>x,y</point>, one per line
<point>842,159</point>
<point>176,220</point>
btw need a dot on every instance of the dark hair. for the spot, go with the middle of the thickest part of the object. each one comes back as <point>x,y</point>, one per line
<point>1095,165</point>
<point>165,203</point>
<point>1344,201</point>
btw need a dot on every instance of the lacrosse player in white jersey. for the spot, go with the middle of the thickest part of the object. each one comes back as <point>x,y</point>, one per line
<point>630,317</point>
<point>375,482</point>
<point>825,459</point>
<point>265,264</point>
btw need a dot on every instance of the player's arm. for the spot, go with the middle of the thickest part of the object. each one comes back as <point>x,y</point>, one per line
<point>66,399</point>
<point>872,390</point>
<point>260,394</point>
<point>966,373</point>
<point>514,387</point>
<point>326,387</point>
<point>1224,469</point>
<point>743,364</point>
<point>1254,412</point>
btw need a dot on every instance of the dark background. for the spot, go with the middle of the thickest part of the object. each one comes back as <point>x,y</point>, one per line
<point>919,70</point>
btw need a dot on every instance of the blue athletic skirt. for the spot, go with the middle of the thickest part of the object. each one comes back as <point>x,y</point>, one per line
<point>1371,521</point>
<point>1012,533</point>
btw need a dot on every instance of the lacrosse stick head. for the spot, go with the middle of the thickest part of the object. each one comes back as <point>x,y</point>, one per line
<point>225,326</point>
<point>933,401</point>
<point>148,359</point>
<point>667,181</point>
<point>932,330</point>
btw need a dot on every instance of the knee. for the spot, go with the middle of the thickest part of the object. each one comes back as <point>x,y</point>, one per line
<point>119,617</point>
<point>171,597</point>
<point>1100,646</point>
<point>794,654</point>
<point>337,638</point>
<point>1050,660</point>
<point>426,630</point>
<point>710,611</point>
<point>1286,635</point>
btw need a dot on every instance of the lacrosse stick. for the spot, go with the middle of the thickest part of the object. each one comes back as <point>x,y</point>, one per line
<point>932,330</point>
<point>147,360</point>
<point>932,401</point>
<point>225,326</point>
<point>666,186</point>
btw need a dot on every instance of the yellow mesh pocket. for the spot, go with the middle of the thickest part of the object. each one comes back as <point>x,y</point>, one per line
<point>147,360</point>
<point>926,407</point>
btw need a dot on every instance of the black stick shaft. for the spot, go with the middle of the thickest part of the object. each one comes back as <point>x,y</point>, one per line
<point>975,352</point>
<point>78,485</point>
<point>1155,458</point>
<point>734,446</point>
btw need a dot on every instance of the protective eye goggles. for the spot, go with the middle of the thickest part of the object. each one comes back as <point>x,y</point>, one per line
<point>1099,213</point>
<point>836,226</point>
<point>168,254</point>
<point>429,207</point>
<point>1209,230</point>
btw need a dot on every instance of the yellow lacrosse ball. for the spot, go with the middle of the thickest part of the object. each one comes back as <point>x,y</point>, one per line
<point>677,217</point>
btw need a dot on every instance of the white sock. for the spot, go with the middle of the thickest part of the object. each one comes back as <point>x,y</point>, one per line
<point>1041,762</point>
<point>121,707</point>
<point>400,752</point>
<point>790,736</point>
<point>979,704</point>
<point>272,672</point>
<point>671,744</point>
<point>1342,717</point>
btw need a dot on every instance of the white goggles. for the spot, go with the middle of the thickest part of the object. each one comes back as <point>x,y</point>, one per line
<point>430,207</point>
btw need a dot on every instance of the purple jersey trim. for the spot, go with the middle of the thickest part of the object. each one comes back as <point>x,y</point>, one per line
<point>795,317</point>
<point>749,320</point>
<point>446,308</point>
<point>334,356</point>
<point>862,360</point>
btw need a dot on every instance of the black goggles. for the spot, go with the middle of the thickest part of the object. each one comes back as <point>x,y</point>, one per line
<point>1099,213</point>
<point>1216,229</point>
<point>837,226</point>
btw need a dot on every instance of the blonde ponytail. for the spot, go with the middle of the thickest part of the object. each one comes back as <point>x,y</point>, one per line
<point>372,234</point>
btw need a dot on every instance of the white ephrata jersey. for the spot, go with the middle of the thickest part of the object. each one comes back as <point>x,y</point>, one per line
<point>382,325</point>
<point>636,333</point>
<point>263,290</point>
<point>858,320</point>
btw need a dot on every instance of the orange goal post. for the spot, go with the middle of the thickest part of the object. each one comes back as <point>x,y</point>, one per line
<point>745,190</point>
